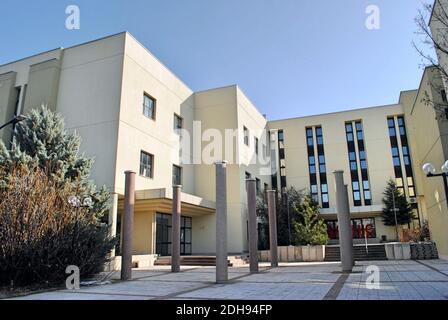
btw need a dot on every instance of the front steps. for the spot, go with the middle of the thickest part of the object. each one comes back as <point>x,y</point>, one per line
<point>201,261</point>
<point>374,252</point>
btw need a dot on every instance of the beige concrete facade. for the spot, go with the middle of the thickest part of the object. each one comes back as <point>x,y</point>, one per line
<point>99,88</point>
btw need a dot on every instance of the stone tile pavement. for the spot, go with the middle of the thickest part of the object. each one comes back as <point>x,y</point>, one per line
<point>398,280</point>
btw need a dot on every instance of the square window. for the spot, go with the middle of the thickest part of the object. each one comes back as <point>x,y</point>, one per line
<point>324,197</point>
<point>313,189</point>
<point>402,131</point>
<point>349,127</point>
<point>395,151</point>
<point>312,169</point>
<point>364,164</point>
<point>362,155</point>
<point>406,161</point>
<point>358,126</point>
<point>352,156</point>
<point>350,137</point>
<point>410,181</point>
<point>322,168</point>
<point>391,123</point>
<point>318,131</point>
<point>149,106</point>
<point>367,195</point>
<point>321,159</point>
<point>320,141</point>
<point>405,151</point>
<point>310,142</point>
<point>399,182</point>
<point>411,191</point>
<point>311,160</point>
<point>355,185</point>
<point>356,196</point>
<point>396,161</point>
<point>324,188</point>
<point>360,136</point>
<point>392,132</point>
<point>309,133</point>
<point>366,185</point>
<point>353,166</point>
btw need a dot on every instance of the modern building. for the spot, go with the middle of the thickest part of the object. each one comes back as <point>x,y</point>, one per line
<point>134,114</point>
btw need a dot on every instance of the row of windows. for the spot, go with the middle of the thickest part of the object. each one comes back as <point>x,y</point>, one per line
<point>149,111</point>
<point>147,168</point>
<point>257,184</point>
<point>246,138</point>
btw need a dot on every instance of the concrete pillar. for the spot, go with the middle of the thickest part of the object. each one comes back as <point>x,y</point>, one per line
<point>175,230</point>
<point>272,212</point>
<point>222,274</point>
<point>113,216</point>
<point>253,232</point>
<point>128,226</point>
<point>345,229</point>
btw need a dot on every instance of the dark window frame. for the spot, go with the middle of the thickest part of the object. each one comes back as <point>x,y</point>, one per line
<point>151,171</point>
<point>154,106</point>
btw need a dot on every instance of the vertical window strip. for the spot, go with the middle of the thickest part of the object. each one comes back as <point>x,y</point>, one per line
<point>322,167</point>
<point>363,163</point>
<point>406,157</point>
<point>312,165</point>
<point>395,154</point>
<point>282,165</point>
<point>353,162</point>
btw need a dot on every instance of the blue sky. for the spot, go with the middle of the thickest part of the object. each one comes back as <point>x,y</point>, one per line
<point>291,57</point>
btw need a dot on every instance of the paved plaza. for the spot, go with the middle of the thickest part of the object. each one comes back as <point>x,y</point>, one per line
<point>399,280</point>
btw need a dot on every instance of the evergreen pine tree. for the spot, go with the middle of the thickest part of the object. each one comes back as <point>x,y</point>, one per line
<point>403,208</point>
<point>312,230</point>
<point>42,141</point>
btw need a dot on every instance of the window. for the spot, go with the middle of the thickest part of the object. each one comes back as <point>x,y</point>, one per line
<point>321,164</point>
<point>355,151</point>
<point>282,161</point>
<point>396,146</point>
<point>443,93</point>
<point>258,186</point>
<point>178,123</point>
<point>281,136</point>
<point>256,146</point>
<point>177,175</point>
<point>246,136</point>
<point>149,106</point>
<point>146,164</point>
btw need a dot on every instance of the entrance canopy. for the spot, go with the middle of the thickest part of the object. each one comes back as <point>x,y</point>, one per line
<point>161,200</point>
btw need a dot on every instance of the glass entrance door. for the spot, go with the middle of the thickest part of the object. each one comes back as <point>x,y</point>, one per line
<point>163,235</point>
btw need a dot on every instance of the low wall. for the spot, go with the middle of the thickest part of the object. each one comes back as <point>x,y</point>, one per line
<point>138,261</point>
<point>408,251</point>
<point>295,254</point>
